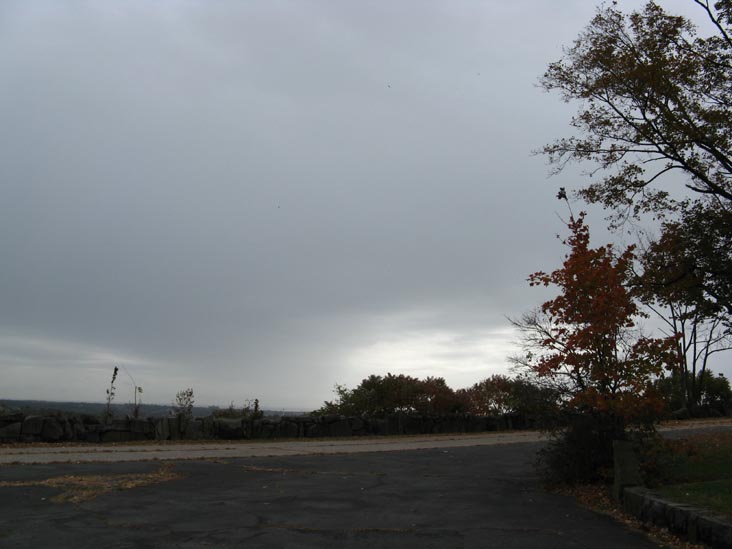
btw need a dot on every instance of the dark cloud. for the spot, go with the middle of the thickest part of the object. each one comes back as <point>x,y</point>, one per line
<point>264,198</point>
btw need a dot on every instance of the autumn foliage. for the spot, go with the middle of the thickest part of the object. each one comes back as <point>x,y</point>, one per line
<point>586,341</point>
<point>381,395</point>
<point>497,395</point>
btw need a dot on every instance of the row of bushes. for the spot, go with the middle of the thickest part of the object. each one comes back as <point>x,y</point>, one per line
<point>378,396</point>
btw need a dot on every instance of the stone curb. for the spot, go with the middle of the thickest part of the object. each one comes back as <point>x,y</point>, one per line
<point>697,525</point>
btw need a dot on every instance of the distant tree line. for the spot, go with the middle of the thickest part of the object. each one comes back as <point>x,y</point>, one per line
<point>537,399</point>
<point>378,396</point>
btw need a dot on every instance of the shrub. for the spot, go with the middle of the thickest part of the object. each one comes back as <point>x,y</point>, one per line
<point>581,452</point>
<point>377,396</point>
<point>183,403</point>
<point>110,395</point>
<point>499,395</point>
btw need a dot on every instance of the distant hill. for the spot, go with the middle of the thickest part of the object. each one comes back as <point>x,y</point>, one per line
<point>41,407</point>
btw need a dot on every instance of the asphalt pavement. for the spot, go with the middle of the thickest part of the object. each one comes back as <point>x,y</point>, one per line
<point>460,496</point>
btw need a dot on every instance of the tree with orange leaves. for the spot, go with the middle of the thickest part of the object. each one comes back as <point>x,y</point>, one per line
<point>586,340</point>
<point>586,343</point>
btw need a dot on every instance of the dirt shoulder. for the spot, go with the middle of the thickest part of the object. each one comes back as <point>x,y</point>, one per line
<point>58,453</point>
<point>232,449</point>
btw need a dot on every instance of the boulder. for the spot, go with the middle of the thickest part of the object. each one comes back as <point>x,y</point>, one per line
<point>411,425</point>
<point>194,430</point>
<point>428,424</point>
<point>52,430</point>
<point>207,426</point>
<point>119,425</point>
<point>9,419</point>
<point>267,428</point>
<point>228,428</point>
<point>89,419</point>
<point>247,427</point>
<point>340,428</point>
<point>681,413</point>
<point>92,433</point>
<point>11,431</point>
<point>358,425</point>
<point>314,430</point>
<point>288,429</point>
<point>32,426</point>
<point>255,428</point>
<point>117,436</point>
<point>394,424</point>
<point>174,427</point>
<point>79,431</point>
<point>162,432</point>
<point>67,429</point>
<point>481,424</point>
<point>380,426</point>
<point>142,427</point>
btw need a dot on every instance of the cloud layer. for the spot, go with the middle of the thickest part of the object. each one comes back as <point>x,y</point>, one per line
<point>265,198</point>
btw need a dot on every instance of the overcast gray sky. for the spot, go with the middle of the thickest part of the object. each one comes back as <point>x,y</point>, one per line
<point>261,199</point>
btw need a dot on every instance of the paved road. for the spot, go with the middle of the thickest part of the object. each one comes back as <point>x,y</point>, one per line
<point>471,496</point>
<point>442,492</point>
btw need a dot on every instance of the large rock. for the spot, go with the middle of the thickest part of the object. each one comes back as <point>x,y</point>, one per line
<point>681,413</point>
<point>32,425</point>
<point>119,425</point>
<point>11,431</point>
<point>207,426</point>
<point>479,424</point>
<point>411,425</point>
<point>67,429</point>
<point>267,428</point>
<point>194,430</point>
<point>394,424</point>
<point>78,430</point>
<point>9,419</point>
<point>174,427</point>
<point>142,427</point>
<point>380,426</point>
<point>92,433</point>
<point>162,431</point>
<point>340,428</point>
<point>89,419</point>
<point>288,429</point>
<point>358,426</point>
<point>314,430</point>
<point>228,428</point>
<point>117,436</point>
<point>428,424</point>
<point>52,430</point>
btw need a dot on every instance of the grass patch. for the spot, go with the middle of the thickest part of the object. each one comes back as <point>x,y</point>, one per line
<point>80,488</point>
<point>697,471</point>
<point>700,458</point>
<point>715,495</point>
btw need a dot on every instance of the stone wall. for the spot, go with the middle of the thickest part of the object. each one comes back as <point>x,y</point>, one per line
<point>61,427</point>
